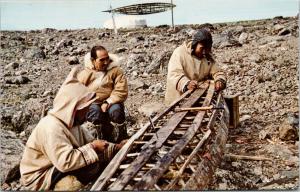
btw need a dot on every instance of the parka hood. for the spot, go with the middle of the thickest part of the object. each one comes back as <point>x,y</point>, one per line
<point>89,64</point>
<point>72,96</point>
<point>188,46</point>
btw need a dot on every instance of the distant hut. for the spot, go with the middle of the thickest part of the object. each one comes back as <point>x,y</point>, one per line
<point>126,21</point>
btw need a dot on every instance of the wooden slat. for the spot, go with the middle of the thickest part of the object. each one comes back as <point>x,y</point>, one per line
<point>161,166</point>
<point>149,134</point>
<point>140,142</point>
<point>154,143</point>
<point>116,161</point>
<point>185,125</point>
<point>132,154</point>
<point>189,118</point>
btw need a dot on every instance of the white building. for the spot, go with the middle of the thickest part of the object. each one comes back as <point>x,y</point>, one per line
<point>126,21</point>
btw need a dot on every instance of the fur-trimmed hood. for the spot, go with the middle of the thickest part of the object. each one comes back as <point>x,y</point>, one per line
<point>89,64</point>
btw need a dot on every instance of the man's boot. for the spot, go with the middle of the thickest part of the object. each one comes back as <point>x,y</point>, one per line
<point>119,132</point>
<point>94,129</point>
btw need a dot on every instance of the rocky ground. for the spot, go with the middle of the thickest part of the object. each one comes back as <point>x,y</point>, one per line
<point>260,58</point>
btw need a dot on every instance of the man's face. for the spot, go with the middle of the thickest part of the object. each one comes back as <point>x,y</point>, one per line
<point>199,50</point>
<point>102,61</point>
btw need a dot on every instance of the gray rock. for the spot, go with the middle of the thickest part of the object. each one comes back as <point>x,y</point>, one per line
<point>189,31</point>
<point>134,74</point>
<point>12,65</point>
<point>134,60</point>
<point>156,89</point>
<point>137,84</point>
<point>72,60</point>
<point>243,38</point>
<point>278,27</point>
<point>35,53</point>
<point>290,174</point>
<point>245,117</point>
<point>46,93</point>
<point>103,34</point>
<point>18,80</point>
<point>146,44</point>
<point>21,72</point>
<point>293,119</point>
<point>48,30</point>
<point>140,38</point>
<point>263,134</point>
<point>153,37</point>
<point>120,50</point>
<point>270,39</point>
<point>225,39</point>
<point>279,150</point>
<point>159,61</point>
<point>258,171</point>
<point>284,31</point>
<point>138,51</point>
<point>11,152</point>
<point>287,132</point>
<point>255,58</point>
<point>17,119</point>
<point>150,109</point>
<point>61,43</point>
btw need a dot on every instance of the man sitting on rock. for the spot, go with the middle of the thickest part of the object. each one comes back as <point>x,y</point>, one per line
<point>60,154</point>
<point>103,75</point>
<point>191,63</point>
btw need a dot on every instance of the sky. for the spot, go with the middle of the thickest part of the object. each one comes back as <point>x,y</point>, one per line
<point>78,14</point>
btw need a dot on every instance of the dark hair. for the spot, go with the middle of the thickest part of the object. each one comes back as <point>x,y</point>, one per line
<point>204,37</point>
<point>94,51</point>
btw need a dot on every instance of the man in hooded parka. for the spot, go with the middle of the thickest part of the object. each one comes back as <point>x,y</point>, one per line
<point>103,75</point>
<point>191,63</point>
<point>59,149</point>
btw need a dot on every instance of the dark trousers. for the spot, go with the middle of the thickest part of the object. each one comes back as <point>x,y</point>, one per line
<point>115,114</point>
<point>105,130</point>
<point>84,174</point>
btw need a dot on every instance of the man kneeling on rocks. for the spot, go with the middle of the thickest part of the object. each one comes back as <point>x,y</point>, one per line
<point>103,75</point>
<point>191,63</point>
<point>60,154</point>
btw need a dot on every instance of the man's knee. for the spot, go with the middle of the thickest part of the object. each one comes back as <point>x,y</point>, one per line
<point>116,113</point>
<point>93,115</point>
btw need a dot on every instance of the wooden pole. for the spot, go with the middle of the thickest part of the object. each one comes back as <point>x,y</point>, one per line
<point>172,15</point>
<point>113,20</point>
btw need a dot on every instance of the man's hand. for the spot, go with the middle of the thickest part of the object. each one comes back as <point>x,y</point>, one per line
<point>121,144</point>
<point>104,107</point>
<point>192,85</point>
<point>100,145</point>
<point>219,86</point>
